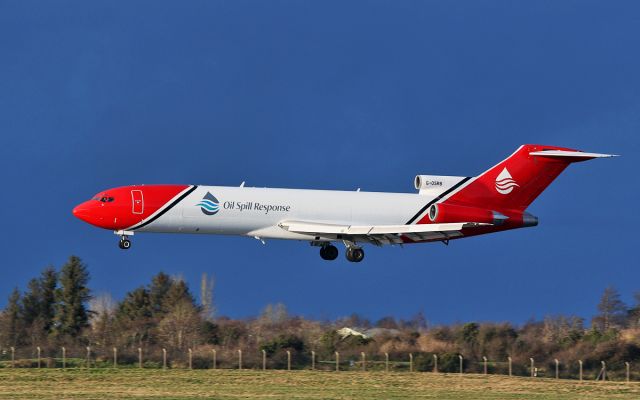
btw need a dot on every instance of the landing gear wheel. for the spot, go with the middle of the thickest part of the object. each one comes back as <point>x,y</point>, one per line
<point>329,252</point>
<point>355,254</point>
<point>124,244</point>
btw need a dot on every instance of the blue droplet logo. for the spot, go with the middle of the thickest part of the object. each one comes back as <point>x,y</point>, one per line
<point>209,204</point>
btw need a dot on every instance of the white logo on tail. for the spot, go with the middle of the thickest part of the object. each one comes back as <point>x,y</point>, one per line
<point>505,183</point>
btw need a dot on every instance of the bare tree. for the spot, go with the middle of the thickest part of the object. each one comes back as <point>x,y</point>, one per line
<point>180,327</point>
<point>102,315</point>
<point>611,310</point>
<point>206,296</point>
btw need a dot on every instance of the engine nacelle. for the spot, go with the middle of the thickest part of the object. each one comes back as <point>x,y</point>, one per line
<point>447,213</point>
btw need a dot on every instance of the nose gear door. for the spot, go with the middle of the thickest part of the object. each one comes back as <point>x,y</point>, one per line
<point>137,202</point>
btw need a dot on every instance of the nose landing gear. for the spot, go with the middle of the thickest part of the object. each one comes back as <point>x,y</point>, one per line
<point>124,243</point>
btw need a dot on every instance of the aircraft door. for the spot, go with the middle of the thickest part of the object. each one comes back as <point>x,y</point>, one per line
<point>137,202</point>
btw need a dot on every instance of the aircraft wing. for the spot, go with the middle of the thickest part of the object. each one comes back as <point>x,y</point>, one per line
<point>380,234</point>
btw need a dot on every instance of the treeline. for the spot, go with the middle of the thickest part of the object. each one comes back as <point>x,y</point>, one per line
<point>58,309</point>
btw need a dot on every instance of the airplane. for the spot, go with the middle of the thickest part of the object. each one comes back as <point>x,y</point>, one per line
<point>444,208</point>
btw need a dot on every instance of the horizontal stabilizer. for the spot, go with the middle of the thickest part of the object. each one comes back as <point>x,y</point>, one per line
<point>570,156</point>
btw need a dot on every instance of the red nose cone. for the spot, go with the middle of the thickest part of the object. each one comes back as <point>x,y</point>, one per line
<point>87,213</point>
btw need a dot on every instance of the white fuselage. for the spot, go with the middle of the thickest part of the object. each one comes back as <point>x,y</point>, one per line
<point>256,212</point>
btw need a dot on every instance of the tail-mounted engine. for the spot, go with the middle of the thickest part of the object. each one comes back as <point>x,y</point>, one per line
<point>446,213</point>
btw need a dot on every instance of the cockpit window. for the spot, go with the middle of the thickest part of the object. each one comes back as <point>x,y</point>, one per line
<point>103,199</point>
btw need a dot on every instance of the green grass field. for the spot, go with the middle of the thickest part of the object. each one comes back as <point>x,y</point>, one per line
<point>106,384</point>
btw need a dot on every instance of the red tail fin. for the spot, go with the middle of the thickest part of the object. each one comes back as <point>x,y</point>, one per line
<point>514,183</point>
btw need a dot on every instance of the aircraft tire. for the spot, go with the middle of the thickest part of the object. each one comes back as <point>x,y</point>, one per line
<point>329,252</point>
<point>125,244</point>
<point>355,254</point>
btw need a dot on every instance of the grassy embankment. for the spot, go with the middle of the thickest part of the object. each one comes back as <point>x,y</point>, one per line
<point>228,384</point>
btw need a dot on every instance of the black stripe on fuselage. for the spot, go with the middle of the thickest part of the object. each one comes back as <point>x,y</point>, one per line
<point>169,207</point>
<point>443,194</point>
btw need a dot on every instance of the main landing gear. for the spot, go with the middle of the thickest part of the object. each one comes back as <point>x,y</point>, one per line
<point>354,254</point>
<point>329,252</point>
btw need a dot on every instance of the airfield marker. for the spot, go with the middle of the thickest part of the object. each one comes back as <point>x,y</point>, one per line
<point>164,358</point>
<point>580,362</point>
<point>532,367</point>
<point>627,365</point>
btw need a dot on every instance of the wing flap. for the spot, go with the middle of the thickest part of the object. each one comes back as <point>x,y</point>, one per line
<point>380,234</point>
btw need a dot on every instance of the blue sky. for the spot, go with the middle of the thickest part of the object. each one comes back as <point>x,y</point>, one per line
<point>331,95</point>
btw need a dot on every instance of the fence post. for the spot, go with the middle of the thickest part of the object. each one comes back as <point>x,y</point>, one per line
<point>239,359</point>
<point>337,361</point>
<point>364,361</point>
<point>288,360</point>
<point>190,359</point>
<point>435,363</point>
<point>164,358</point>
<point>626,364</point>
<point>604,371</point>
<point>64,357</point>
<point>557,368</point>
<point>532,366</point>
<point>139,357</point>
<point>410,362</point>
<point>215,361</point>
<point>13,357</point>
<point>38,348</point>
<point>484,361</point>
<point>313,360</point>
<point>264,360</point>
<point>386,362</point>
<point>460,357</point>
<point>88,357</point>
<point>510,370</point>
<point>580,362</point>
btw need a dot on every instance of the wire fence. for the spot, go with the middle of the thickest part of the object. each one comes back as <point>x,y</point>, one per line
<point>224,358</point>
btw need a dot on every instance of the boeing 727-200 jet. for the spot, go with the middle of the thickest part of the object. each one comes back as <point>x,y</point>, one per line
<point>445,207</point>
